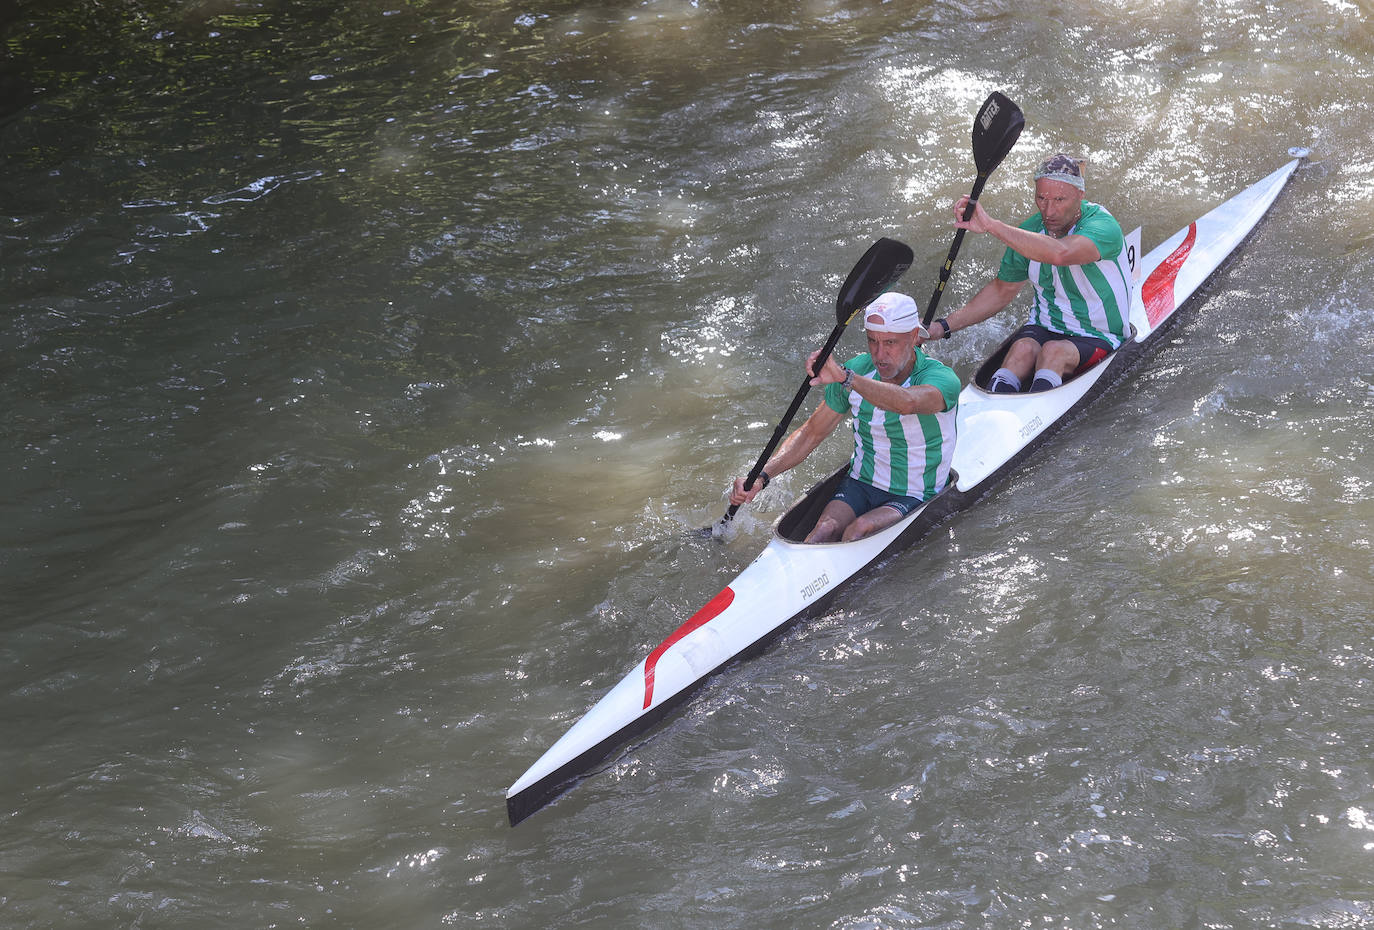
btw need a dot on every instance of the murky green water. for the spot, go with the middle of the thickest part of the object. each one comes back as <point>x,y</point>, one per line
<point>363,362</point>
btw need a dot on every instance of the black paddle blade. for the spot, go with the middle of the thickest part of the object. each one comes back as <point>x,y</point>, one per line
<point>885,261</point>
<point>995,130</point>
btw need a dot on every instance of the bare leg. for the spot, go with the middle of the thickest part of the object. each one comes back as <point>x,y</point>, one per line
<point>1059,356</point>
<point>831,524</point>
<point>1020,359</point>
<point>879,518</point>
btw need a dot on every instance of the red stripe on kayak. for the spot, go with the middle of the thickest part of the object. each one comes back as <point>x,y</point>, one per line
<point>713,609</point>
<point>1158,290</point>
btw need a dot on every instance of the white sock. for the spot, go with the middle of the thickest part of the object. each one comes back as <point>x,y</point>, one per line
<point>1004,376</point>
<point>1050,377</point>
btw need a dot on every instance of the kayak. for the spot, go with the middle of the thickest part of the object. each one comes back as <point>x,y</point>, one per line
<point>792,579</point>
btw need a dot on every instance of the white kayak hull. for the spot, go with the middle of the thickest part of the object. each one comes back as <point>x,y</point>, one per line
<point>790,579</point>
<point>787,581</point>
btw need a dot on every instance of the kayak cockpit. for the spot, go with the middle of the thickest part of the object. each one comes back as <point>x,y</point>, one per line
<point>799,520</point>
<point>983,377</point>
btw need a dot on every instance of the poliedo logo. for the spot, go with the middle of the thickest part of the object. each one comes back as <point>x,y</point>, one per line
<point>820,584</point>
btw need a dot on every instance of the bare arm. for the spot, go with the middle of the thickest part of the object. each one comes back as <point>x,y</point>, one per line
<point>1071,250</point>
<point>920,398</point>
<point>991,299</point>
<point>793,450</point>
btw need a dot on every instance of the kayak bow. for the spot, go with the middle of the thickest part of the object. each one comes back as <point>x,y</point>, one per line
<point>791,579</point>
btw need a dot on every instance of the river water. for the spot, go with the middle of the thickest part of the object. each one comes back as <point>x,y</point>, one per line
<point>363,363</point>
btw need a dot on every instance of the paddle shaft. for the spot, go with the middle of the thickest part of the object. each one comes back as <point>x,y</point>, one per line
<point>953,251</point>
<point>786,419</point>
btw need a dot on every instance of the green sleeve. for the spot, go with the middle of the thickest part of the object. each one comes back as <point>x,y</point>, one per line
<point>943,377</point>
<point>1103,229</point>
<point>837,398</point>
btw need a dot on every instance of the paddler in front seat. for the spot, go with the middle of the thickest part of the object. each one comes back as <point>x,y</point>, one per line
<point>902,406</point>
<point>1073,252</point>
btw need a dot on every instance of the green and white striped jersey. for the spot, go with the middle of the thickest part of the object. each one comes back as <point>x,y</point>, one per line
<point>1080,300</point>
<point>907,455</point>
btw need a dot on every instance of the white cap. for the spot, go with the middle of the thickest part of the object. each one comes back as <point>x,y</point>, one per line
<point>892,313</point>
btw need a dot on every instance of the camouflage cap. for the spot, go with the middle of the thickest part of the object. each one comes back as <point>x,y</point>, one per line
<point>1062,167</point>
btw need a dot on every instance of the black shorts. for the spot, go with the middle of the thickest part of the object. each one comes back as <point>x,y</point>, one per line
<point>863,497</point>
<point>1091,350</point>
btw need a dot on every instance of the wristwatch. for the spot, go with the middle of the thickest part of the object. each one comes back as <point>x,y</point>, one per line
<point>848,377</point>
<point>944,324</point>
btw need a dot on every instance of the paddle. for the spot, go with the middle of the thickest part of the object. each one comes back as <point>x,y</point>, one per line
<point>995,130</point>
<point>885,261</point>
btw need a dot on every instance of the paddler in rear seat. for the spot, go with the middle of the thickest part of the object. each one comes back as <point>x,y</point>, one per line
<point>1073,252</point>
<point>902,407</point>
